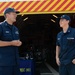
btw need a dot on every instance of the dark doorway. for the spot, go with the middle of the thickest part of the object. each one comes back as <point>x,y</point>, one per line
<point>38,35</point>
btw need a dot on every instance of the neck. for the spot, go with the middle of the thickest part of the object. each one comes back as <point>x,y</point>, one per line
<point>9,22</point>
<point>65,28</point>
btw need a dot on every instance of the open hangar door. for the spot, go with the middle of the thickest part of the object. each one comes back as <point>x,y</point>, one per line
<point>38,34</point>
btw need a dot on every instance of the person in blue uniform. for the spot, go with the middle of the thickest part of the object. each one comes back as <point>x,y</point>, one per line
<point>9,43</point>
<point>65,47</point>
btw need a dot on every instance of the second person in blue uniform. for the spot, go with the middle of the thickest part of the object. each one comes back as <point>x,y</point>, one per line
<point>65,47</point>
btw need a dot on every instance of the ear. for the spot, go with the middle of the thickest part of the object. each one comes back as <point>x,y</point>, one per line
<point>68,21</point>
<point>7,14</point>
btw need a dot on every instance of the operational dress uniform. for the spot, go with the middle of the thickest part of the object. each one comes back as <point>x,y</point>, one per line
<point>66,42</point>
<point>9,58</point>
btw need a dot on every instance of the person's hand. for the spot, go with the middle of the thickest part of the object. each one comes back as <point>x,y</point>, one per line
<point>58,61</point>
<point>73,61</point>
<point>16,43</point>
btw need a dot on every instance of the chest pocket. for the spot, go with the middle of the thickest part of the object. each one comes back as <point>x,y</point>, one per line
<point>71,40</point>
<point>16,35</point>
<point>7,36</point>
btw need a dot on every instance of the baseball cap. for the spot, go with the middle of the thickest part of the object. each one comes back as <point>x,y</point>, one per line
<point>65,17</point>
<point>8,10</point>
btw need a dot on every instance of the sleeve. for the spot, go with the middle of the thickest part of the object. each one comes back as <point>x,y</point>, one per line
<point>57,41</point>
<point>17,32</point>
<point>0,30</point>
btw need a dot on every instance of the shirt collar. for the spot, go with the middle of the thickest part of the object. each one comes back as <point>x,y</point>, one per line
<point>6,23</point>
<point>69,30</point>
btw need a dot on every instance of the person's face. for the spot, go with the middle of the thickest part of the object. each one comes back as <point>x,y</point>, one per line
<point>63,22</point>
<point>12,16</point>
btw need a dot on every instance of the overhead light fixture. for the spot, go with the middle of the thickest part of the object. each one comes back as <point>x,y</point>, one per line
<point>55,16</point>
<point>25,19</point>
<point>22,15</point>
<point>53,20</point>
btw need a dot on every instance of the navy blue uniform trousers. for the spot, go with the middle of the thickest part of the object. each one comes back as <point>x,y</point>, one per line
<point>9,70</point>
<point>68,69</point>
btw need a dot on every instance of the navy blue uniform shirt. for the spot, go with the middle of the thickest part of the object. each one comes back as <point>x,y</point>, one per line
<point>66,41</point>
<point>9,54</point>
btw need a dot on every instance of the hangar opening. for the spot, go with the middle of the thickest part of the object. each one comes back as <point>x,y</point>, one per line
<point>38,35</point>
